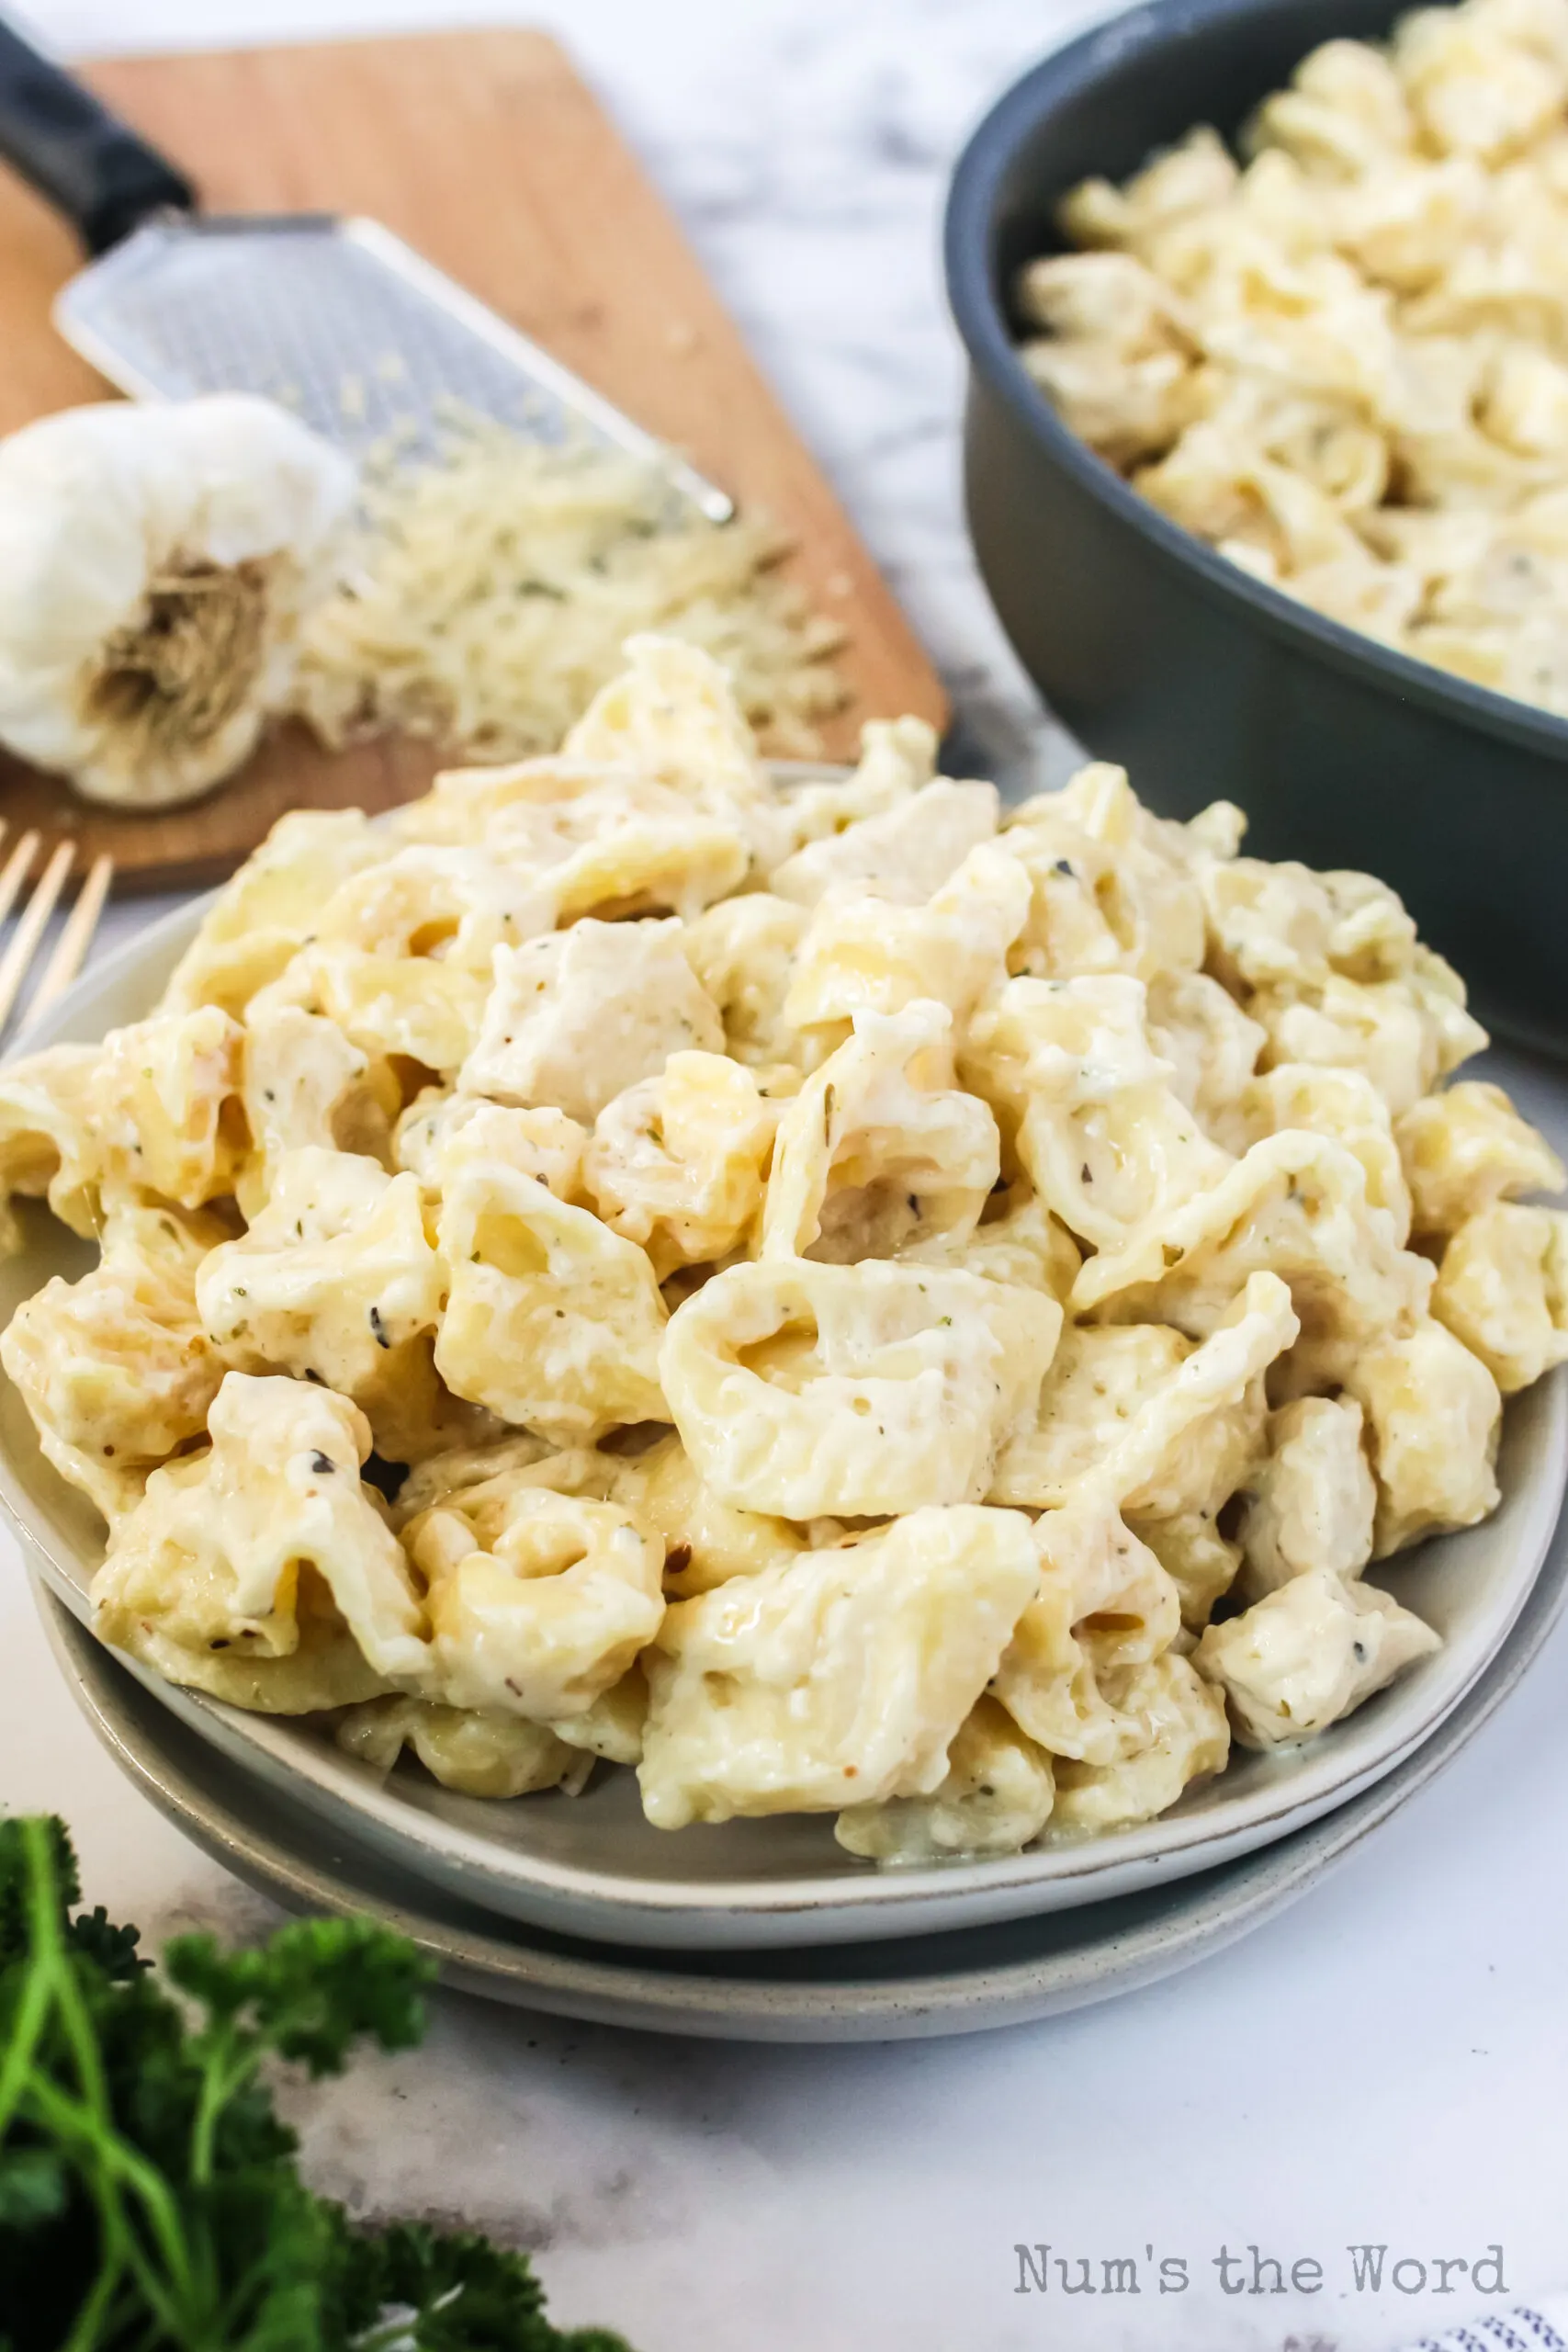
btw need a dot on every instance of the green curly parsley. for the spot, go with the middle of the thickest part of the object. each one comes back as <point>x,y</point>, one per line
<point>149,2201</point>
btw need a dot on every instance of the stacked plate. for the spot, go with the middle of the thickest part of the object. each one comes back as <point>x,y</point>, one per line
<point>900,1987</point>
<point>767,1929</point>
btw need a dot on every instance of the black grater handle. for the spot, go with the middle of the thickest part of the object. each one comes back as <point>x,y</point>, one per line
<point>104,178</point>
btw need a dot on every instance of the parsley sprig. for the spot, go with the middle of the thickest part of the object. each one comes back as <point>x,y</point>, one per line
<point>150,2200</point>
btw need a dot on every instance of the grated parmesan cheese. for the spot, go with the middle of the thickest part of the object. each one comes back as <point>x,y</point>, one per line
<point>490,592</point>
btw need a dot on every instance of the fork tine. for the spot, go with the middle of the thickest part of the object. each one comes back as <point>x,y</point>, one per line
<point>76,938</point>
<point>31,928</point>
<point>16,870</point>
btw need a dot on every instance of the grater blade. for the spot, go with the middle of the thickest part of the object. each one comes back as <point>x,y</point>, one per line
<point>338,320</point>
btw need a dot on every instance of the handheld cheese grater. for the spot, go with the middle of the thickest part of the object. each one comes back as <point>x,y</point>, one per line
<point>333,316</point>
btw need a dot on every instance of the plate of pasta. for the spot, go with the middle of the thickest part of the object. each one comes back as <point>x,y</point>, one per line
<point>1263,469</point>
<point>1334,356</point>
<point>719,1359</point>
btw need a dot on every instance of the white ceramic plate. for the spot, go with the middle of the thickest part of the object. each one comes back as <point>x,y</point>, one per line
<point>592,1866</point>
<point>887,1991</point>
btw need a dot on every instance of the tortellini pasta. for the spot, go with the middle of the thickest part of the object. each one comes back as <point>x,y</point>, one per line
<point>478,1753</point>
<point>465,901</point>
<point>543,1142</point>
<point>1340,360</point>
<point>116,1369</point>
<point>1503,1290</point>
<point>537,1610</point>
<point>862,955</point>
<point>167,1107</point>
<point>1107,1143</point>
<point>1210,1043</point>
<point>881,1148</point>
<point>47,1147</point>
<point>423,1008</point>
<point>672,719</point>
<point>337,1278</point>
<point>1433,1413</point>
<point>847,1299</point>
<point>903,855</point>
<point>586,838</point>
<point>1111,888</point>
<point>576,1017</point>
<point>818,1390</point>
<point>552,1320</point>
<point>259,921</point>
<point>897,757</point>
<point>1201,1561</point>
<point>706,1541</point>
<point>1102,1606</point>
<point>1176,1732</point>
<point>1343,1105</point>
<point>1467,1148</point>
<point>1311,1503</point>
<point>1149,1417</point>
<point>305,1085</point>
<point>677,1161</point>
<point>260,1568</point>
<point>1309,1652</point>
<point>742,951</point>
<point>1017,1240</point>
<point>1404,1032</point>
<point>996,1797</point>
<point>837,1677</point>
<point>1295,1205</point>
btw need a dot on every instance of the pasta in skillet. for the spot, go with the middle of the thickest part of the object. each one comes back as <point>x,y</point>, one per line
<point>841,1299</point>
<point>1344,360</point>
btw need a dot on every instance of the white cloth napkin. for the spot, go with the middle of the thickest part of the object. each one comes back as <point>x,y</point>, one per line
<point>1541,2326</point>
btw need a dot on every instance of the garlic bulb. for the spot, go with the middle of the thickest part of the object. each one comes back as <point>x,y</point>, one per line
<point>155,562</point>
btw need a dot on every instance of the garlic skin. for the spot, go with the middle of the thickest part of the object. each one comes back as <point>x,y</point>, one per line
<point>156,561</point>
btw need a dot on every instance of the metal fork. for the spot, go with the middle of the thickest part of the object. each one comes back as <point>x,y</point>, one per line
<point>76,933</point>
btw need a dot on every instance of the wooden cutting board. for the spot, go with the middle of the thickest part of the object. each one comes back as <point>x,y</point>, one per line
<point>487,152</point>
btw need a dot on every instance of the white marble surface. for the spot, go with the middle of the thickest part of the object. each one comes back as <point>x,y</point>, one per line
<point>1387,2062</point>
